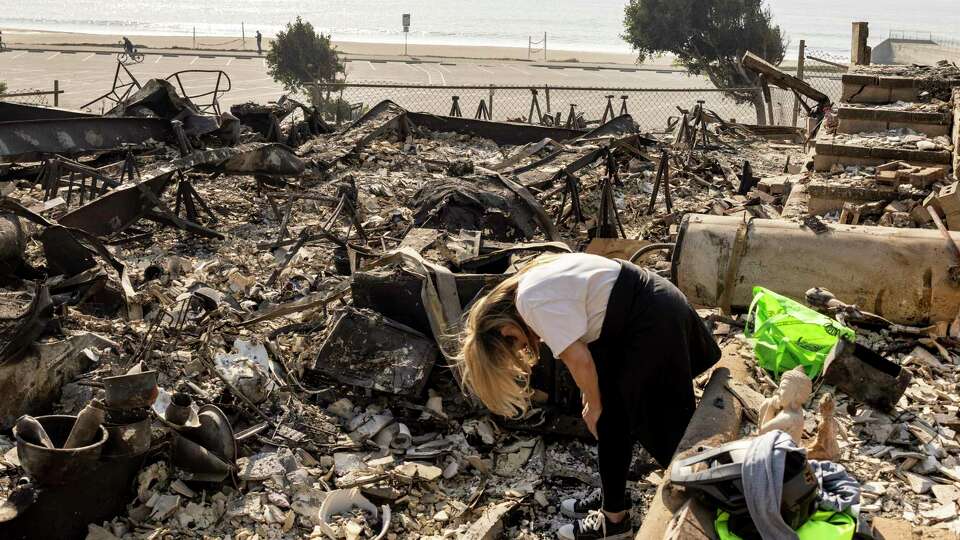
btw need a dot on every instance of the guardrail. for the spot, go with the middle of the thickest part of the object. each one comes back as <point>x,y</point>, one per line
<point>949,42</point>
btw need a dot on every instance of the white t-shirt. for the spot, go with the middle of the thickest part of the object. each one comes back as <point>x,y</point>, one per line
<point>565,300</point>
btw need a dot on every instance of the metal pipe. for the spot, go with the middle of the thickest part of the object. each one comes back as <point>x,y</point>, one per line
<point>904,275</point>
<point>647,249</point>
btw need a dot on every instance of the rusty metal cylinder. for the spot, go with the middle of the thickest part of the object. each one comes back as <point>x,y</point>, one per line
<point>900,274</point>
<point>13,242</point>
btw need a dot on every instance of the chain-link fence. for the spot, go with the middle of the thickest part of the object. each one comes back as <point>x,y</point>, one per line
<point>26,96</point>
<point>650,107</point>
<point>34,96</point>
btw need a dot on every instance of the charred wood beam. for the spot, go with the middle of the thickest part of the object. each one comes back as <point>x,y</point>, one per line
<point>499,132</point>
<point>715,422</point>
<point>783,80</point>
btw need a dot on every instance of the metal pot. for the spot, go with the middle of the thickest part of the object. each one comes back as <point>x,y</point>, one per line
<point>58,466</point>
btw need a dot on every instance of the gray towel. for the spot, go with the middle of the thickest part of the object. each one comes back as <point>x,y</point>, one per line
<point>763,468</point>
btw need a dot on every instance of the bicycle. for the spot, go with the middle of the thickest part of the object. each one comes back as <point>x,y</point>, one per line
<point>126,58</point>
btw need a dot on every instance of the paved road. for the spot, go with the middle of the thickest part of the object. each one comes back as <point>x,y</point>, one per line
<point>85,75</point>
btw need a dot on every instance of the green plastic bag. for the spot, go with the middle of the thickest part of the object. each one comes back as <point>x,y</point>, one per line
<point>787,334</point>
<point>822,525</point>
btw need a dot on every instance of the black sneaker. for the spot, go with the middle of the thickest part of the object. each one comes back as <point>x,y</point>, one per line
<point>579,508</point>
<point>596,527</point>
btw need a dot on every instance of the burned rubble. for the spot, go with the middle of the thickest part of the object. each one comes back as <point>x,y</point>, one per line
<point>256,312</point>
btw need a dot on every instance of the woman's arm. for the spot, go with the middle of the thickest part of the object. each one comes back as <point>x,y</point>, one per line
<point>579,361</point>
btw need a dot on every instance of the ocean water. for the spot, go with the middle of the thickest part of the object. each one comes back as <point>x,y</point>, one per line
<point>579,25</point>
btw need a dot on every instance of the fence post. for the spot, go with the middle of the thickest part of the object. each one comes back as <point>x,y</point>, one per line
<point>56,93</point>
<point>491,102</point>
<point>796,97</point>
<point>546,92</point>
<point>759,105</point>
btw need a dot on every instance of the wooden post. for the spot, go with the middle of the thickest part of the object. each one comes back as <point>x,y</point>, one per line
<point>490,103</point>
<point>56,93</point>
<point>859,51</point>
<point>796,98</point>
<point>243,36</point>
<point>767,98</point>
<point>544,46</point>
<point>546,89</point>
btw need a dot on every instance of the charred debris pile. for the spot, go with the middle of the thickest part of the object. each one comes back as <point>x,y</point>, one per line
<point>238,324</point>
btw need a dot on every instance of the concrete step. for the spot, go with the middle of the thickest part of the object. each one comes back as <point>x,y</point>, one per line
<point>866,88</point>
<point>874,119</point>
<point>830,151</point>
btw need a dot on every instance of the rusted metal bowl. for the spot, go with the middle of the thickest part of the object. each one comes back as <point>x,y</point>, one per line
<point>127,440</point>
<point>131,391</point>
<point>58,466</point>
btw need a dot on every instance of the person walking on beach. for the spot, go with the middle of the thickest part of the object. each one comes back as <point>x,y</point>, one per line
<point>633,345</point>
<point>259,39</point>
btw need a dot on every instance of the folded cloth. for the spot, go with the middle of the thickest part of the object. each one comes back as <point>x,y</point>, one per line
<point>839,491</point>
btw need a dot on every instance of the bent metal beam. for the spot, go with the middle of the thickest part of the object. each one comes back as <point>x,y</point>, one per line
<point>70,136</point>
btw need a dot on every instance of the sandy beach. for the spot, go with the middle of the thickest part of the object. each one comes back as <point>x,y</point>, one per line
<point>225,43</point>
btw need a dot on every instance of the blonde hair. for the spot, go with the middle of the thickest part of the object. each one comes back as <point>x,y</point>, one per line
<point>489,364</point>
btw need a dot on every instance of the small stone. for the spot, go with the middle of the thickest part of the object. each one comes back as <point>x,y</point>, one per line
<point>420,470</point>
<point>342,408</point>
<point>928,466</point>
<point>441,516</point>
<point>918,484</point>
<point>941,513</point>
<point>451,469</point>
<point>165,506</point>
<point>260,467</point>
<point>946,493</point>
<point>278,499</point>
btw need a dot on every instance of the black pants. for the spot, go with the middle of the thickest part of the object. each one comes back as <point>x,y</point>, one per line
<point>651,347</point>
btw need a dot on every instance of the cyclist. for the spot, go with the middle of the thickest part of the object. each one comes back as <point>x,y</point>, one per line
<point>129,47</point>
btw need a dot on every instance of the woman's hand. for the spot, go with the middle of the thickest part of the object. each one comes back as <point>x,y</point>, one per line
<point>579,361</point>
<point>591,415</point>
